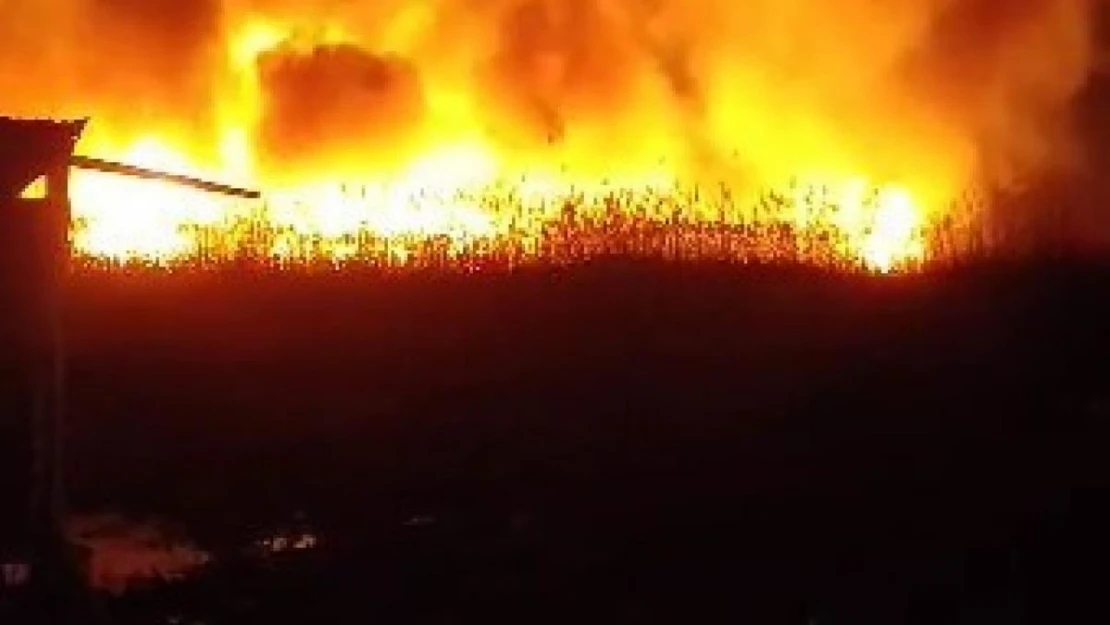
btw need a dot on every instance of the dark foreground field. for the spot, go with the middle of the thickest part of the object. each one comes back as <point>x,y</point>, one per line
<point>615,443</point>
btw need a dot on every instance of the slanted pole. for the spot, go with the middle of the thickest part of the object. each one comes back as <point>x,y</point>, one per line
<point>123,169</point>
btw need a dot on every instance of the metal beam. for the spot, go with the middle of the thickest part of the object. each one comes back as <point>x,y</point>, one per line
<point>111,167</point>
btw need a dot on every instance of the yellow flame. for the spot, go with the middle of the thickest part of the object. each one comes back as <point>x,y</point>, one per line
<point>456,192</point>
<point>467,192</point>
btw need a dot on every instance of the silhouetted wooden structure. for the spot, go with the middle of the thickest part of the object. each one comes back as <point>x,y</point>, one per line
<point>34,254</point>
<point>34,257</point>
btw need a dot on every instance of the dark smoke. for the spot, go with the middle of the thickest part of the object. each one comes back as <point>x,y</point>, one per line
<point>324,99</point>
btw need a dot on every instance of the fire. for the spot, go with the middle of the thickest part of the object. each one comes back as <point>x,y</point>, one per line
<point>529,130</point>
<point>126,219</point>
<point>455,193</point>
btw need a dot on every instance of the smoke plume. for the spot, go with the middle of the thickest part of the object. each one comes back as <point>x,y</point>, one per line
<point>950,89</point>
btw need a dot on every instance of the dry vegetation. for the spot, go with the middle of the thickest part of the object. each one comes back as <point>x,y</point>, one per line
<point>692,224</point>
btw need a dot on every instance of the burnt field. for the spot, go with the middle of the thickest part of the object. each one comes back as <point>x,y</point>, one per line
<point>627,437</point>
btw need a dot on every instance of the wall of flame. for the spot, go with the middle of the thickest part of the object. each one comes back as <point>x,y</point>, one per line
<point>378,117</point>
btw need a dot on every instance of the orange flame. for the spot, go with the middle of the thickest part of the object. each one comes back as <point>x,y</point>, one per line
<point>532,130</point>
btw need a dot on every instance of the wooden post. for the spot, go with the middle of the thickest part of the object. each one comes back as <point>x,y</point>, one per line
<point>52,254</point>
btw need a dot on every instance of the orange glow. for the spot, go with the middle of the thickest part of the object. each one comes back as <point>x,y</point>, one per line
<point>458,195</point>
<point>425,132</point>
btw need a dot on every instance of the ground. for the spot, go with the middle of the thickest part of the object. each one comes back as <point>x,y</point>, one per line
<point>618,442</point>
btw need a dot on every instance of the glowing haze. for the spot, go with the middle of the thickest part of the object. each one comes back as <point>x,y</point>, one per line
<point>476,120</point>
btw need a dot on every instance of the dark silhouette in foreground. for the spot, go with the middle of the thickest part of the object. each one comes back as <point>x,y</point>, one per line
<point>620,442</point>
